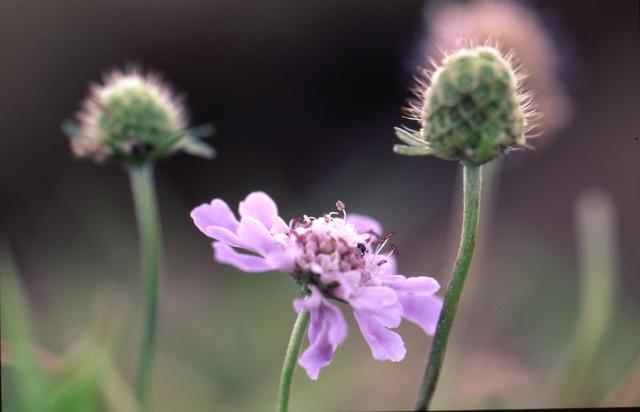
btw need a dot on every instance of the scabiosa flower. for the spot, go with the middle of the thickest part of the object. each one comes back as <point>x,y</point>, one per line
<point>133,117</point>
<point>335,258</point>
<point>471,111</point>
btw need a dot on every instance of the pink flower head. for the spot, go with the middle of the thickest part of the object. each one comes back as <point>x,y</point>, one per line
<point>337,258</point>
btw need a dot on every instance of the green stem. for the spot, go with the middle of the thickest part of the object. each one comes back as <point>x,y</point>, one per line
<point>290,358</point>
<point>144,199</point>
<point>472,184</point>
<point>597,251</point>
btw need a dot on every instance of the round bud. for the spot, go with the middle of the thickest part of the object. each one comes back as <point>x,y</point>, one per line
<point>472,111</point>
<point>131,117</point>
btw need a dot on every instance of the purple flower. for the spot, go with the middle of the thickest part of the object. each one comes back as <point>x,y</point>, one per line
<point>337,258</point>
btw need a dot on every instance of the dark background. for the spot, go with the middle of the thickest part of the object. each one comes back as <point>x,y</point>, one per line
<point>305,95</point>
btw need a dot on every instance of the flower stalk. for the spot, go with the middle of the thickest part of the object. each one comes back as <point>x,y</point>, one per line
<point>595,219</point>
<point>472,186</point>
<point>290,358</point>
<point>146,208</point>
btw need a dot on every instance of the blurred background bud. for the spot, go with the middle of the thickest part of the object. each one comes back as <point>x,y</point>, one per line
<point>134,117</point>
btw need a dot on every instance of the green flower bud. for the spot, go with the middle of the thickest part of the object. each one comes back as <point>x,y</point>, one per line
<point>472,111</point>
<point>135,118</point>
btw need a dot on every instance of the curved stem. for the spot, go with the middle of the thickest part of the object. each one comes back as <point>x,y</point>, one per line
<point>290,358</point>
<point>472,184</point>
<point>146,207</point>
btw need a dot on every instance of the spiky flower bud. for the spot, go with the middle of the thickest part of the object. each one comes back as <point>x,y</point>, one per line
<point>472,112</point>
<point>514,27</point>
<point>135,118</point>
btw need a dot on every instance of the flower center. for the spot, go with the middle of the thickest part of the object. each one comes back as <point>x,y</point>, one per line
<point>333,256</point>
<point>328,245</point>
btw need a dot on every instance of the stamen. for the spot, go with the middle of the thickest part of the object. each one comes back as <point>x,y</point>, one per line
<point>389,235</point>
<point>394,249</point>
<point>382,262</point>
<point>342,208</point>
<point>296,222</point>
<point>385,239</point>
<point>308,221</point>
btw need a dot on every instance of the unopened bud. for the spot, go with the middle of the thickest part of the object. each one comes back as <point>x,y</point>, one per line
<point>132,117</point>
<point>471,112</point>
